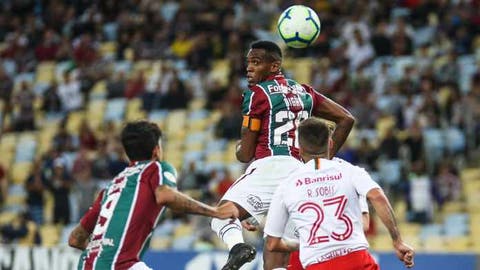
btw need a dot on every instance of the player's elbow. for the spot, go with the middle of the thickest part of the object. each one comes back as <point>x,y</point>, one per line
<point>74,242</point>
<point>348,120</point>
<point>272,243</point>
<point>376,196</point>
<point>244,157</point>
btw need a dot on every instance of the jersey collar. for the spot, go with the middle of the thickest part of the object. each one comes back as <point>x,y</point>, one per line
<point>278,76</point>
<point>138,162</point>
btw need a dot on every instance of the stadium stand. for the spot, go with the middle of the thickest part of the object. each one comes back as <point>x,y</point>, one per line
<point>180,64</point>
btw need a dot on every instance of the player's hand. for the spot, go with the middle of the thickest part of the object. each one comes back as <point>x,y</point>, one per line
<point>227,210</point>
<point>249,226</point>
<point>405,253</point>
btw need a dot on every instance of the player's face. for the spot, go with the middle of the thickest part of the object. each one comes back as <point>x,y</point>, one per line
<point>259,67</point>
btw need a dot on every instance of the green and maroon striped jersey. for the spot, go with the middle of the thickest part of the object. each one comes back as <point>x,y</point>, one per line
<point>124,215</point>
<point>280,104</point>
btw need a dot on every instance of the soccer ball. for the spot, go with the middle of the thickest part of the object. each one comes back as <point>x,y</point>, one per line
<point>298,26</point>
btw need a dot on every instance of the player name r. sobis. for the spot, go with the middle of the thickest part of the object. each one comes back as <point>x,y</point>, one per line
<point>320,191</point>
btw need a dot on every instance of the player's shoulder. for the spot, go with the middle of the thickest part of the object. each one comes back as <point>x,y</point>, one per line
<point>167,167</point>
<point>348,166</point>
<point>309,89</point>
<point>259,87</point>
<point>169,173</point>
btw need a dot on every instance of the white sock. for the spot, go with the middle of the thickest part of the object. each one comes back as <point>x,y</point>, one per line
<point>279,268</point>
<point>229,230</point>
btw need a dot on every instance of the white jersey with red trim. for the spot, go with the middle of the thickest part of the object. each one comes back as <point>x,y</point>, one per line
<point>322,200</point>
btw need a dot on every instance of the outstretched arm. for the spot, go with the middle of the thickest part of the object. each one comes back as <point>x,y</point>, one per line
<point>384,210</point>
<point>180,202</point>
<point>344,120</point>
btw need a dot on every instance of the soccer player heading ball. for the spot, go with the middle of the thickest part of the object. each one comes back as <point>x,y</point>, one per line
<point>273,107</point>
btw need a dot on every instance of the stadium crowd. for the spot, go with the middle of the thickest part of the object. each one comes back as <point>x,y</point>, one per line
<point>408,70</point>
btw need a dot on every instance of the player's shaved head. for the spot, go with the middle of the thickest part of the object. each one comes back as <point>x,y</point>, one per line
<point>272,51</point>
<point>313,135</point>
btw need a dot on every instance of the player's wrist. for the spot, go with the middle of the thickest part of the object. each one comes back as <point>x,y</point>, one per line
<point>397,242</point>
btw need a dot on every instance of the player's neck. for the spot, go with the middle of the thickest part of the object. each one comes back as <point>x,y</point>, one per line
<point>307,157</point>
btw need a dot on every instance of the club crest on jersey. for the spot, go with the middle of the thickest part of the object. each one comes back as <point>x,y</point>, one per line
<point>255,201</point>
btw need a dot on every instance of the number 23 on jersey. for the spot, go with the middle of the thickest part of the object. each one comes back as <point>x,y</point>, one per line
<point>339,204</point>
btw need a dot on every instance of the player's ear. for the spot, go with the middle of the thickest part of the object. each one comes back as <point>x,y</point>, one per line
<point>157,153</point>
<point>275,67</point>
<point>330,146</point>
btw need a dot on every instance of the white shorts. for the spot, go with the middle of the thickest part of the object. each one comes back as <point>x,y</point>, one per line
<point>254,189</point>
<point>140,266</point>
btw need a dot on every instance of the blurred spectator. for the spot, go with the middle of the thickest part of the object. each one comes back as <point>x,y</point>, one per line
<point>116,85</point>
<point>383,80</point>
<point>447,183</point>
<point>360,52</point>
<point>215,94</point>
<point>3,186</point>
<point>51,102</point>
<point>60,185</point>
<point>63,140</point>
<point>64,52</point>
<point>86,137</point>
<point>402,44</point>
<point>85,187</point>
<point>462,40</point>
<point>182,45</point>
<point>17,50</point>
<point>224,183</point>
<point>366,155</point>
<point>420,194</point>
<point>84,50</point>
<point>100,163</point>
<point>191,178</point>
<point>69,92</point>
<point>381,41</point>
<point>389,146</point>
<point>355,27</point>
<point>450,70</point>
<point>347,153</point>
<point>322,76</point>
<point>424,58</point>
<point>24,118</point>
<point>135,85</point>
<point>48,48</point>
<point>36,185</point>
<point>158,86</point>
<point>6,88</point>
<point>414,143</point>
<point>118,160</point>
<point>228,127</point>
<point>202,52</point>
<point>20,231</point>
<point>177,96</point>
